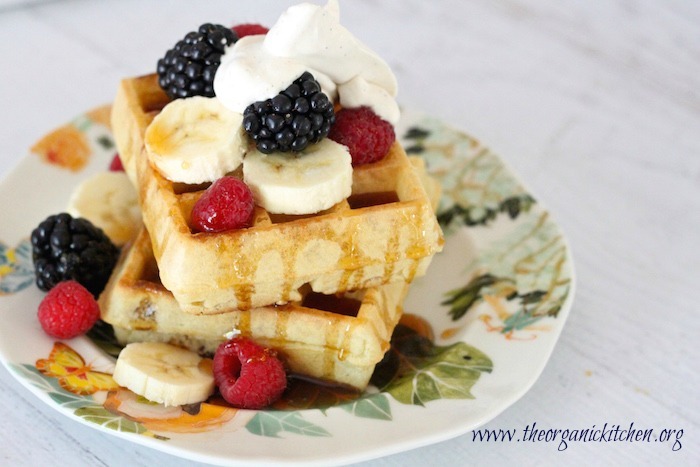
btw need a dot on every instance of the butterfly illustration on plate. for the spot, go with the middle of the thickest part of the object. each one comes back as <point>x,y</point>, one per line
<point>73,374</point>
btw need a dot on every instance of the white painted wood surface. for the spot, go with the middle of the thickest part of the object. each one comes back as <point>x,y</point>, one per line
<point>596,105</point>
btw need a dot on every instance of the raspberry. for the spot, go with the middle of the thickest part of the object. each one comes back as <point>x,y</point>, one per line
<point>249,29</point>
<point>116,164</point>
<point>367,136</point>
<point>68,310</point>
<point>227,204</point>
<point>248,375</point>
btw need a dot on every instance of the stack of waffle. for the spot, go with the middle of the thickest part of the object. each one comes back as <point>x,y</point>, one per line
<point>325,290</point>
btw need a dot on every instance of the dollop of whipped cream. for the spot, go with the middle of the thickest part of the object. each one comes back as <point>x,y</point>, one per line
<point>310,38</point>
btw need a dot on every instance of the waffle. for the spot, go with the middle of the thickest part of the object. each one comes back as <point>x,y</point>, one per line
<point>342,346</point>
<point>384,232</point>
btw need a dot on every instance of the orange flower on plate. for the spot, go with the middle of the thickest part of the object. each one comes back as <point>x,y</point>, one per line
<point>73,374</point>
<point>101,115</point>
<point>66,147</point>
<point>195,418</point>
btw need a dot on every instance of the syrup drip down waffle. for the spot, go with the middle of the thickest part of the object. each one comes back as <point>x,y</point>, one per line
<point>384,232</point>
<point>342,345</point>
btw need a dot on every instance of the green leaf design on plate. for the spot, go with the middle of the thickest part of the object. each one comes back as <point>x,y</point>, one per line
<point>85,406</point>
<point>416,371</point>
<point>101,416</point>
<point>39,381</point>
<point>71,401</point>
<point>523,254</point>
<point>416,133</point>
<point>477,187</point>
<point>272,423</point>
<point>447,373</point>
<point>105,142</point>
<point>482,215</point>
<point>524,268</point>
<point>375,406</point>
<point>16,267</point>
<point>462,299</point>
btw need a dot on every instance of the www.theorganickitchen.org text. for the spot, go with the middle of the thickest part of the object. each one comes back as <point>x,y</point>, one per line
<point>605,433</point>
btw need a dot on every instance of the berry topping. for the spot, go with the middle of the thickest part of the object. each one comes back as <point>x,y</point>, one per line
<point>248,375</point>
<point>188,69</point>
<point>227,204</point>
<point>68,310</point>
<point>116,164</point>
<point>298,116</point>
<point>249,29</point>
<point>67,248</point>
<point>367,136</point>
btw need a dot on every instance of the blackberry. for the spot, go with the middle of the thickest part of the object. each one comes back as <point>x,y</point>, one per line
<point>188,69</point>
<point>298,116</point>
<point>65,248</point>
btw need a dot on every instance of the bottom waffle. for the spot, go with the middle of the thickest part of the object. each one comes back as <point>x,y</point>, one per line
<point>333,338</point>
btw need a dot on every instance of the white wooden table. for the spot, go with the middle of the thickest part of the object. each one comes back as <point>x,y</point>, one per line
<point>596,105</point>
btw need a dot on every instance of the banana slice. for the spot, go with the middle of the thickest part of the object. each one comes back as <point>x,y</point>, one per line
<point>108,200</point>
<point>164,373</point>
<point>305,183</point>
<point>195,140</point>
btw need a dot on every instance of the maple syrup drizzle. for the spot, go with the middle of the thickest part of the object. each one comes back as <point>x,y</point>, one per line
<point>244,296</point>
<point>288,266</point>
<point>351,255</point>
<point>328,369</point>
<point>304,392</point>
<point>243,323</point>
<point>348,332</point>
<point>392,254</point>
<point>241,272</point>
<point>281,325</point>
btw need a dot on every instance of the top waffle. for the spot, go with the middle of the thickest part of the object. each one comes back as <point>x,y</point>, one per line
<point>385,231</point>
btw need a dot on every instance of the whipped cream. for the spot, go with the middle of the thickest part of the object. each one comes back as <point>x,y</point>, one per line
<point>310,38</point>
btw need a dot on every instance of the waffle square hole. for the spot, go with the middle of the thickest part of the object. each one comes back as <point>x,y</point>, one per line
<point>184,188</point>
<point>365,200</point>
<point>153,104</point>
<point>334,303</point>
<point>150,274</point>
<point>282,218</point>
<point>151,98</point>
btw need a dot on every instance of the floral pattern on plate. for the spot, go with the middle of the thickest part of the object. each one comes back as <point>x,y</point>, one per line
<point>522,272</point>
<point>16,268</point>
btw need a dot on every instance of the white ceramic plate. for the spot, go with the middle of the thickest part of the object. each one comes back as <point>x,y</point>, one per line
<point>496,300</point>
